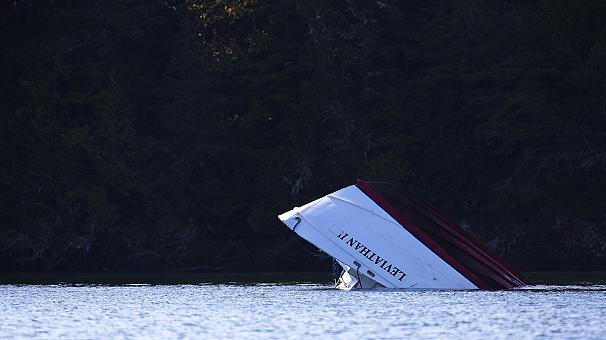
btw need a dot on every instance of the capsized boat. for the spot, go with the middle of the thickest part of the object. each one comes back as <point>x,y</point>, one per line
<point>383,236</point>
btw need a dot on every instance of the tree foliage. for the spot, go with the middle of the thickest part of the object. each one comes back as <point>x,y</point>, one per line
<point>167,135</point>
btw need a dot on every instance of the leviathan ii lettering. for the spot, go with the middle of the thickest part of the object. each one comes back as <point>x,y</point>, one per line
<point>371,255</point>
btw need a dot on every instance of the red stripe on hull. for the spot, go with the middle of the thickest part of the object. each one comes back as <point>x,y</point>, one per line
<point>483,269</point>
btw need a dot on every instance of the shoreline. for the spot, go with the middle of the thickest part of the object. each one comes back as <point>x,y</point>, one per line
<point>536,277</point>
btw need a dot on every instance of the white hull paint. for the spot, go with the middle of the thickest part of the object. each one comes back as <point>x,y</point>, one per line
<point>372,247</point>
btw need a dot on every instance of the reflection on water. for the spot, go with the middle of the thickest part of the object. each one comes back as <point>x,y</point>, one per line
<point>272,310</point>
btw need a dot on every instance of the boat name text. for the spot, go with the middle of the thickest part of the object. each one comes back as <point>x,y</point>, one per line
<point>372,256</point>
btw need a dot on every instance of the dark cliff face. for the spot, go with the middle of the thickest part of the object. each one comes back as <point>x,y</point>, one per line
<point>154,135</point>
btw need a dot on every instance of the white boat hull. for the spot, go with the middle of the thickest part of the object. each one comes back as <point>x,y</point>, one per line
<point>372,247</point>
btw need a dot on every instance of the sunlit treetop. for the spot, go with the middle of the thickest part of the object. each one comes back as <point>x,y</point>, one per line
<point>227,28</point>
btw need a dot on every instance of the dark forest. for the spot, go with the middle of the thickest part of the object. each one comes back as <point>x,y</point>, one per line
<point>168,135</point>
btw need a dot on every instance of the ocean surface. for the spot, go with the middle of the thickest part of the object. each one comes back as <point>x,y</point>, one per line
<point>297,310</point>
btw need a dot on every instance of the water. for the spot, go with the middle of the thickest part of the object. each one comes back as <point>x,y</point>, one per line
<point>271,310</point>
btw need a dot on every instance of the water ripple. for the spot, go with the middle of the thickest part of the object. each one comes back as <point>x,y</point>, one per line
<point>297,311</point>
